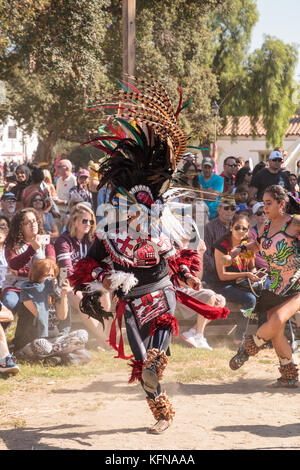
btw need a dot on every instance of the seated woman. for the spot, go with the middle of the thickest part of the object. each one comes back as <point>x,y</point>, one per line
<point>24,244</point>
<point>195,335</point>
<point>50,226</point>
<point>241,266</point>
<point>70,247</point>
<point>41,298</point>
<point>7,363</point>
<point>37,185</point>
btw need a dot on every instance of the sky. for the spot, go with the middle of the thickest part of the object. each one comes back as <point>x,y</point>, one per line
<point>279,18</point>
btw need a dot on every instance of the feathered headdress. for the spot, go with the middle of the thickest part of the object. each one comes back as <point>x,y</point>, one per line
<point>146,141</point>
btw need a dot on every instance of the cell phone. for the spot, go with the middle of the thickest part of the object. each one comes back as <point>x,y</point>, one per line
<point>44,239</point>
<point>63,274</point>
<point>260,274</point>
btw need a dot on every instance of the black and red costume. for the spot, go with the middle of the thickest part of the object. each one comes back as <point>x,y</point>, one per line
<point>143,157</point>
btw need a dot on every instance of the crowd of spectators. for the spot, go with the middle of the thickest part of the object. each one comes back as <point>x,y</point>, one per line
<point>47,225</point>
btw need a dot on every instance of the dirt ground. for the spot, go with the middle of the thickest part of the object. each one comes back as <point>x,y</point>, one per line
<point>104,412</point>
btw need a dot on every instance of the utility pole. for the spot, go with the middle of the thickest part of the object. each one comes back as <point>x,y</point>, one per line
<point>128,16</point>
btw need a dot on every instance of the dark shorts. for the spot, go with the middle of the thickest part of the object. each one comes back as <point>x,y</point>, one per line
<point>269,300</point>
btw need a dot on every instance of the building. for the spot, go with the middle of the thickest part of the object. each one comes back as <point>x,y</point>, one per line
<point>15,145</point>
<point>236,139</point>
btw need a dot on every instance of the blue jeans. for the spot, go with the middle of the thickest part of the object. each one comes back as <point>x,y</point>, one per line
<point>239,296</point>
<point>11,300</point>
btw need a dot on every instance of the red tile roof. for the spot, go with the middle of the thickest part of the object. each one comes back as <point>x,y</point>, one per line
<point>243,127</point>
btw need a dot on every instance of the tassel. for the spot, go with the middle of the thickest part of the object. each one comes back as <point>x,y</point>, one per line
<point>137,369</point>
<point>207,311</point>
<point>165,321</point>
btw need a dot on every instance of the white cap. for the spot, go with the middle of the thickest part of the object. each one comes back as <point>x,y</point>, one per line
<point>257,206</point>
<point>275,154</point>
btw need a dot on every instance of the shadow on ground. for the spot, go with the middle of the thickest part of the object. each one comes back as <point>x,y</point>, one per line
<point>30,438</point>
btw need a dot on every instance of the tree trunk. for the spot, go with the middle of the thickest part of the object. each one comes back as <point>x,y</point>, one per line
<point>44,152</point>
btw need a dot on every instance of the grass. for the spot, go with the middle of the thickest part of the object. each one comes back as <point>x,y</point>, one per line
<point>185,365</point>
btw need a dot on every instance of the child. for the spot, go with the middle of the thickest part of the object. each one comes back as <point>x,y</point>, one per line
<point>241,194</point>
<point>43,305</point>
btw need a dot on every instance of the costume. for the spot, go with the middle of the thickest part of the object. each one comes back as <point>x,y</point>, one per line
<point>137,243</point>
<point>282,253</point>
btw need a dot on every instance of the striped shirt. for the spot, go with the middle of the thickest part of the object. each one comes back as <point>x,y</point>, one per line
<point>70,250</point>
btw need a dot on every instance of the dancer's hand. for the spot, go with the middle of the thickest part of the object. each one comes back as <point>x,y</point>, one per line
<point>106,282</point>
<point>194,283</point>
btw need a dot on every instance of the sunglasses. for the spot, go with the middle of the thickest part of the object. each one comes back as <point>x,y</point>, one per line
<point>260,213</point>
<point>227,208</point>
<point>233,164</point>
<point>277,160</point>
<point>87,221</point>
<point>239,227</point>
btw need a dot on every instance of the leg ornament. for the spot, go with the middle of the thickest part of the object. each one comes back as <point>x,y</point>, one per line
<point>155,364</point>
<point>289,376</point>
<point>162,411</point>
<point>253,344</point>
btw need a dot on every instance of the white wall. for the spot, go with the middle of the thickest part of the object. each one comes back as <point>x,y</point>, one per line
<point>23,146</point>
<point>248,147</point>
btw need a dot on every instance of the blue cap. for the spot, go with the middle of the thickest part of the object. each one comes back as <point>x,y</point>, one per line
<point>242,207</point>
<point>8,196</point>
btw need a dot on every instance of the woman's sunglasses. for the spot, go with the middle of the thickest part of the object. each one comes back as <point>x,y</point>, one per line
<point>260,213</point>
<point>87,221</point>
<point>239,227</point>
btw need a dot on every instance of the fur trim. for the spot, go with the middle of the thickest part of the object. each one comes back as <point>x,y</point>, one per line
<point>124,280</point>
<point>83,271</point>
<point>94,286</point>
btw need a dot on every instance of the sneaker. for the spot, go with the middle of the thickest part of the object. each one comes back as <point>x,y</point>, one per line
<point>8,365</point>
<point>188,336</point>
<point>201,342</point>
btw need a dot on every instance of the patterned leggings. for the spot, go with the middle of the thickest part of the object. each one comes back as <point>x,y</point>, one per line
<point>140,340</point>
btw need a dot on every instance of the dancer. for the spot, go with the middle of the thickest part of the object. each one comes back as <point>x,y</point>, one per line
<point>129,257</point>
<point>278,243</point>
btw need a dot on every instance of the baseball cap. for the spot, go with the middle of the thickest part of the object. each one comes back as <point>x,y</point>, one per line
<point>207,161</point>
<point>8,196</point>
<point>227,201</point>
<point>257,206</point>
<point>275,154</point>
<point>242,207</point>
<point>83,173</point>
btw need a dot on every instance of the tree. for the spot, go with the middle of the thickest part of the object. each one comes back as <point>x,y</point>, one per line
<point>56,54</point>
<point>256,84</point>
<point>51,62</point>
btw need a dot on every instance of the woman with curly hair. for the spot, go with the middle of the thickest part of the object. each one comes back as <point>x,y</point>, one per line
<point>70,247</point>
<point>24,244</point>
<point>278,242</point>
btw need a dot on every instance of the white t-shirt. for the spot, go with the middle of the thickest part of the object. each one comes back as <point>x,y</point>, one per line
<point>63,187</point>
<point>3,268</point>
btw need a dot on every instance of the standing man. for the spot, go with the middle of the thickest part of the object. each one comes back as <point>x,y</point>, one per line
<point>269,176</point>
<point>213,184</point>
<point>229,169</point>
<point>65,182</point>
